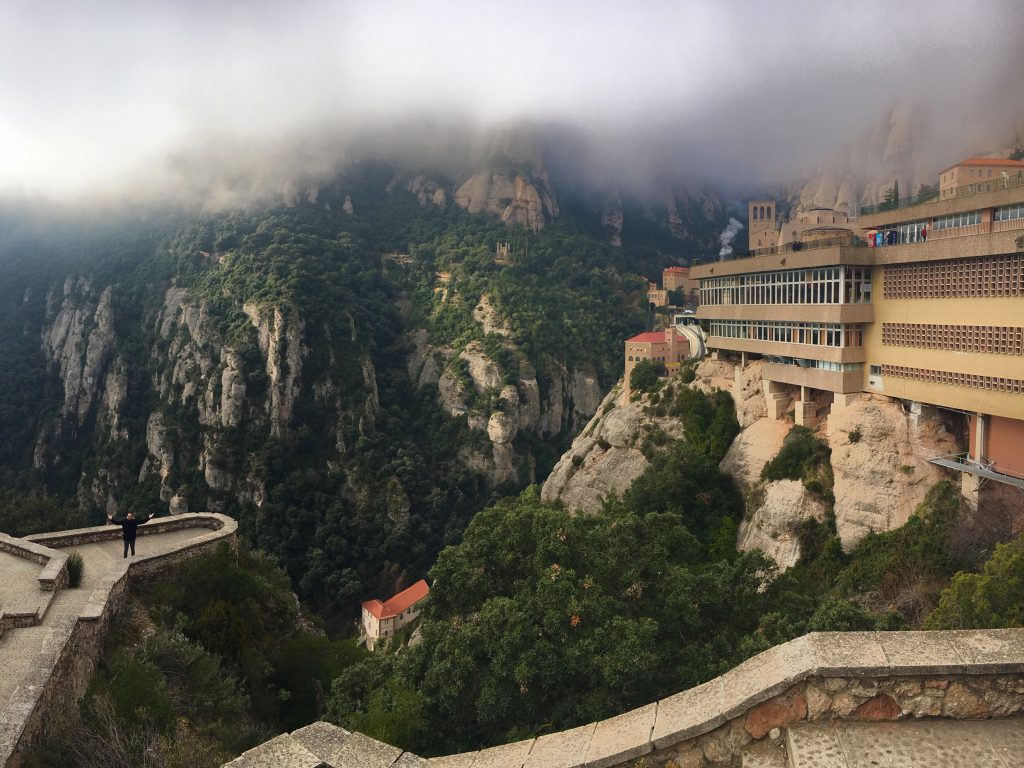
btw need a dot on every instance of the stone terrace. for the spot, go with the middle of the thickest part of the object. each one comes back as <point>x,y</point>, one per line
<point>50,635</point>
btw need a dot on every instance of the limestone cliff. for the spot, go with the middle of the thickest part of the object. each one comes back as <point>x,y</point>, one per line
<point>775,510</point>
<point>880,463</point>
<point>605,458</point>
<point>503,404</point>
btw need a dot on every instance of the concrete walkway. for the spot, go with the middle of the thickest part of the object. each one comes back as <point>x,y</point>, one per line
<point>19,588</point>
<point>908,744</point>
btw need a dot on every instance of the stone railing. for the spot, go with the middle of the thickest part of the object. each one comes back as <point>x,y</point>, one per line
<point>62,669</point>
<point>821,676</point>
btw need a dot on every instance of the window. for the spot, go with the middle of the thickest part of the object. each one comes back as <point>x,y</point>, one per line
<point>876,370</point>
<point>957,220</point>
<point>1006,213</point>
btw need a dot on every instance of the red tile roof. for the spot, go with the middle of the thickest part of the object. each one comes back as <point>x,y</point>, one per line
<point>994,161</point>
<point>648,338</point>
<point>399,603</point>
<point>676,269</point>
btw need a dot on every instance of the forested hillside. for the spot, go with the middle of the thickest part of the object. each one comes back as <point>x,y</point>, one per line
<point>352,375</point>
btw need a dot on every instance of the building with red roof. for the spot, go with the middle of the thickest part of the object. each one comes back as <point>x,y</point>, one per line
<point>383,620</point>
<point>668,347</point>
<point>976,173</point>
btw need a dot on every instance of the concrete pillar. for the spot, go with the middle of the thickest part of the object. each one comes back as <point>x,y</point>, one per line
<point>776,399</point>
<point>743,359</point>
<point>805,412</point>
<point>980,435</point>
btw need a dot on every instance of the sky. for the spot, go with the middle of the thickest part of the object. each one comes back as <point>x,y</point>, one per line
<point>109,94</point>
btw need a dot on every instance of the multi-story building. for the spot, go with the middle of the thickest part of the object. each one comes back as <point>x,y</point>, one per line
<point>975,172</point>
<point>656,296</point>
<point>936,318</point>
<point>383,620</point>
<point>678,278</point>
<point>668,347</point>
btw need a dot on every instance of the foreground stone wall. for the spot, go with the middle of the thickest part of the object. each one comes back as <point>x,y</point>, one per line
<point>49,695</point>
<point>858,676</point>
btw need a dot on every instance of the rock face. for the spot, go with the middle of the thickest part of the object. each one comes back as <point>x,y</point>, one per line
<point>775,509</point>
<point>881,477</point>
<point>80,340</point>
<point>606,456</point>
<point>514,198</point>
<point>502,404</point>
<point>747,393</point>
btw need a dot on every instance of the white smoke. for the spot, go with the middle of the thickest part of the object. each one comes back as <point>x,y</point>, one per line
<point>730,231</point>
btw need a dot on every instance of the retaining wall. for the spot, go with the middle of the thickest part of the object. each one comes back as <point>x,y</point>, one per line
<point>50,693</point>
<point>822,676</point>
<point>841,675</point>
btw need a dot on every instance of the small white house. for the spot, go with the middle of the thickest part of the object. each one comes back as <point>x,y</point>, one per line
<point>383,620</point>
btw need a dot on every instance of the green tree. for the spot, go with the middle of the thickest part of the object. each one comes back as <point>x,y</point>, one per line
<point>645,376</point>
<point>986,600</point>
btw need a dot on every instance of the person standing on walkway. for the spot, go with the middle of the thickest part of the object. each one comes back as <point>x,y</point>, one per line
<point>128,527</point>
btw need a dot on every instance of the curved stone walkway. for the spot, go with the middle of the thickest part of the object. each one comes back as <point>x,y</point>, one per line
<point>19,589</point>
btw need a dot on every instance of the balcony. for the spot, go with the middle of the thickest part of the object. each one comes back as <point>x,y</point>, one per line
<point>843,382</point>
<point>787,349</point>
<point>967,190</point>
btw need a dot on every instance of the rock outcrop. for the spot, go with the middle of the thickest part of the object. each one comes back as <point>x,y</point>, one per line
<point>775,510</point>
<point>606,457</point>
<point>880,463</point>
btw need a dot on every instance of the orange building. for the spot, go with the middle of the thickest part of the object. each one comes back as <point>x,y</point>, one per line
<point>657,296</point>
<point>678,278</point>
<point>383,620</point>
<point>669,347</point>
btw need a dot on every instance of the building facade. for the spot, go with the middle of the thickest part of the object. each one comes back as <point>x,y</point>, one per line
<point>380,621</point>
<point>934,317</point>
<point>975,172</point>
<point>669,347</point>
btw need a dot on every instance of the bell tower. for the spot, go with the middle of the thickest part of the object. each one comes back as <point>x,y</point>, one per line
<point>764,233</point>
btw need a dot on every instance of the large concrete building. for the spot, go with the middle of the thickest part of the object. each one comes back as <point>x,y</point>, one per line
<point>934,318</point>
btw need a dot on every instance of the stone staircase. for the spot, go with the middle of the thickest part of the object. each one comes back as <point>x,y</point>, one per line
<point>902,744</point>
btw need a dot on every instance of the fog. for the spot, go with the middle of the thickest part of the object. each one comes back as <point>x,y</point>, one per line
<point>175,97</point>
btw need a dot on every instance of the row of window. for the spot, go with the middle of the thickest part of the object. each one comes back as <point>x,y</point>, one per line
<point>996,383</point>
<point>980,276</point>
<point>1010,212</point>
<point>821,365</point>
<point>823,285</point>
<point>957,220</point>
<point>787,332</point>
<point>993,339</point>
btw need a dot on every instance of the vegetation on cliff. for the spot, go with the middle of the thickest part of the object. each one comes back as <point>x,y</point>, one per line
<point>207,660</point>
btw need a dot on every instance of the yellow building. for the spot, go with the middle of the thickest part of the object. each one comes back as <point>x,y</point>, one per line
<point>935,318</point>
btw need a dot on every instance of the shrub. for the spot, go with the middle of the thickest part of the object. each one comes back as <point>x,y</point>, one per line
<point>801,455</point>
<point>644,377</point>
<point>855,435</point>
<point>76,567</point>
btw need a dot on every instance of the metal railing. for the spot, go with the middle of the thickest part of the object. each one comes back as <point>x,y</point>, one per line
<point>810,245</point>
<point>966,190</point>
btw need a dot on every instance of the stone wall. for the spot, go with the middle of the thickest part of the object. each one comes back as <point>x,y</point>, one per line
<point>861,676</point>
<point>60,676</point>
<point>842,675</point>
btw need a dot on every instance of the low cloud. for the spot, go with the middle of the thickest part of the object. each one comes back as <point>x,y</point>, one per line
<point>178,97</point>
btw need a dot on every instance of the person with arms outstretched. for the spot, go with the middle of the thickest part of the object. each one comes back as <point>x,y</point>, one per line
<point>128,527</point>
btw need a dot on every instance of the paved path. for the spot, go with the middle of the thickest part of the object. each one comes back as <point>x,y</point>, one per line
<point>18,586</point>
<point>908,744</point>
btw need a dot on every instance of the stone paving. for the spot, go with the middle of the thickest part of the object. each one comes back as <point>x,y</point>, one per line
<point>908,744</point>
<point>19,590</point>
<point>18,587</point>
